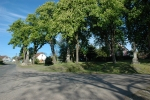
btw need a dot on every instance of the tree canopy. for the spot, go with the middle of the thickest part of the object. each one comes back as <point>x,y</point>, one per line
<point>109,21</point>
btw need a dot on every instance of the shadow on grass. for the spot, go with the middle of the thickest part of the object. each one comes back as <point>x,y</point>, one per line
<point>109,67</point>
<point>144,60</point>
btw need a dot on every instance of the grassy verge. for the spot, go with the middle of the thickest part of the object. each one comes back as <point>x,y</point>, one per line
<point>35,67</point>
<point>121,67</point>
<point>143,67</point>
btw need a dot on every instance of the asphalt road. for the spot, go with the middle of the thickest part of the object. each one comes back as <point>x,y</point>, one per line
<point>4,69</point>
<point>21,84</point>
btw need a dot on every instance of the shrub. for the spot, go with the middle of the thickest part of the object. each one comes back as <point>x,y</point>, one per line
<point>48,61</point>
<point>74,69</point>
<point>37,61</point>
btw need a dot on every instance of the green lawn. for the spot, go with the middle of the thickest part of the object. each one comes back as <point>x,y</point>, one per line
<point>121,67</point>
<point>143,67</point>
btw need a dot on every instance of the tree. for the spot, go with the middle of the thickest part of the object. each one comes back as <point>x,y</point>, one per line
<point>109,20</point>
<point>46,23</point>
<point>37,36</point>
<point>71,17</point>
<point>63,50</point>
<point>20,35</point>
<point>137,22</point>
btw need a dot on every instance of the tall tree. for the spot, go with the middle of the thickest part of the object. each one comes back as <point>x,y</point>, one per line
<point>70,18</point>
<point>20,35</point>
<point>37,36</point>
<point>109,20</point>
<point>46,23</point>
<point>138,23</point>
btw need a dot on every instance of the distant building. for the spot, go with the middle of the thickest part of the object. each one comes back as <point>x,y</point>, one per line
<point>5,58</point>
<point>41,57</point>
<point>13,60</point>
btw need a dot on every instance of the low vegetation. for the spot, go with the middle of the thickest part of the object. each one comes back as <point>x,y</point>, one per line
<point>1,62</point>
<point>143,67</point>
<point>121,67</point>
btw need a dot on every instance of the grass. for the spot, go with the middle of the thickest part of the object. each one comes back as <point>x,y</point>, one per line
<point>35,67</point>
<point>143,67</point>
<point>121,67</point>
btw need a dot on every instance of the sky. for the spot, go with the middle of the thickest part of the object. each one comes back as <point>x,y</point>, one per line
<point>12,10</point>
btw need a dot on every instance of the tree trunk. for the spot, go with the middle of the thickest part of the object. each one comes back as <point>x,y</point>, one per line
<point>107,44</point>
<point>33,58</point>
<point>53,52</point>
<point>85,58</point>
<point>34,53</point>
<point>24,55</point>
<point>27,57</point>
<point>68,55</point>
<point>149,37</point>
<point>113,47</point>
<point>72,56</point>
<point>77,48</point>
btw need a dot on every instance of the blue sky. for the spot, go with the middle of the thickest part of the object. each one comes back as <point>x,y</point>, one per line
<point>10,11</point>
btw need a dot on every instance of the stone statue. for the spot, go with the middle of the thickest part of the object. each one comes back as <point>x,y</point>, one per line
<point>133,46</point>
<point>135,59</point>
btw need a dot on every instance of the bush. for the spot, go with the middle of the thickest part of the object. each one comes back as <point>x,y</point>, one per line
<point>48,61</point>
<point>74,69</point>
<point>37,61</point>
<point>1,61</point>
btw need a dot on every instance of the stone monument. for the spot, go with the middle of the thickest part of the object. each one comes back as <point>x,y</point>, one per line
<point>135,59</point>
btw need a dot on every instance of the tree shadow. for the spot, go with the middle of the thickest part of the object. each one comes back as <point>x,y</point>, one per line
<point>67,86</point>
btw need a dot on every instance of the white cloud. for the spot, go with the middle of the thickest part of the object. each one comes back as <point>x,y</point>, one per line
<point>24,11</point>
<point>16,15</point>
<point>8,16</point>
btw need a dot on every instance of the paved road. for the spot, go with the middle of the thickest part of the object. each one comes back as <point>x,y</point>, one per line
<point>20,84</point>
<point>4,69</point>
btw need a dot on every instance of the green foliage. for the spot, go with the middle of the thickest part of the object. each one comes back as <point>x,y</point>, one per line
<point>47,24</point>
<point>36,61</point>
<point>63,50</point>
<point>137,22</point>
<point>20,34</point>
<point>101,53</point>
<point>46,20</point>
<point>91,54</point>
<point>109,21</point>
<point>74,69</point>
<point>1,62</point>
<point>31,52</point>
<point>121,67</point>
<point>107,24</point>
<point>48,61</point>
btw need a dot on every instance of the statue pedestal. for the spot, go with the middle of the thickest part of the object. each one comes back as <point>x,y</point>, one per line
<point>135,59</point>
